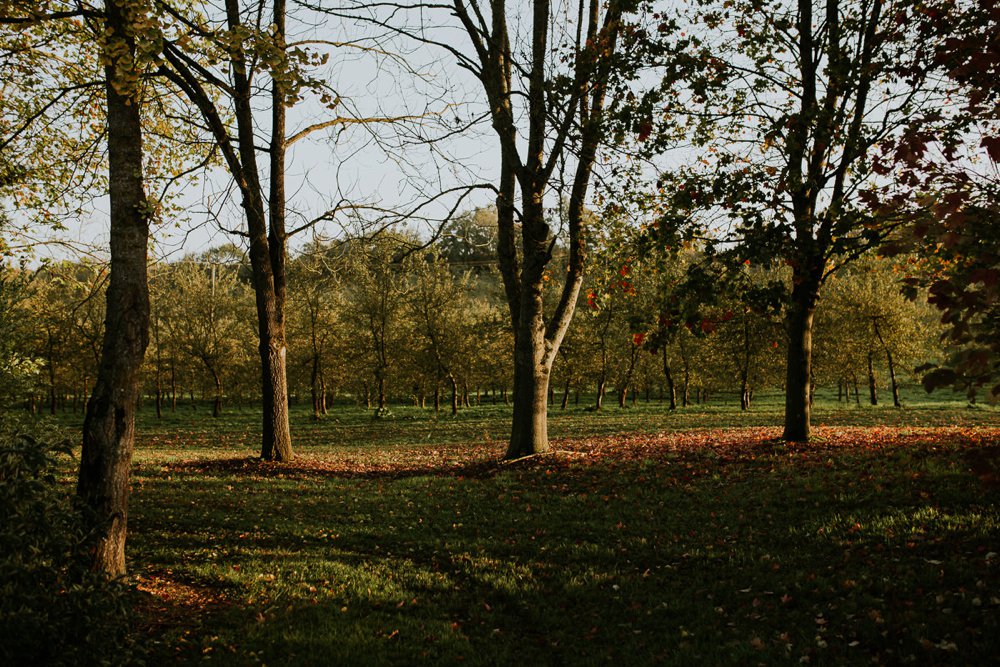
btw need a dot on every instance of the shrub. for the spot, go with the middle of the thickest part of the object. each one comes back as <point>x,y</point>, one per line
<point>53,609</point>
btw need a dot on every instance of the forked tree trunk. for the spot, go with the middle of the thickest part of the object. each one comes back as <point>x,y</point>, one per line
<point>109,425</point>
<point>599,401</point>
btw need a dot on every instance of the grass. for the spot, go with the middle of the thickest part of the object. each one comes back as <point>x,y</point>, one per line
<point>647,537</point>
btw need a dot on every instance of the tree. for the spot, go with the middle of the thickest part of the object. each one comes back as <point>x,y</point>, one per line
<point>947,170</point>
<point>791,102</point>
<point>315,309</point>
<point>207,325</point>
<point>377,301</point>
<point>17,366</point>
<point>109,425</point>
<point>868,321</point>
<point>441,312</point>
<point>237,46</point>
<point>558,89</point>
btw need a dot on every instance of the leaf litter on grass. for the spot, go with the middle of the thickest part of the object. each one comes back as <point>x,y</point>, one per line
<point>822,549</point>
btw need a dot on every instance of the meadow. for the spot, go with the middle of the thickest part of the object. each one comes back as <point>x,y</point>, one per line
<point>646,537</point>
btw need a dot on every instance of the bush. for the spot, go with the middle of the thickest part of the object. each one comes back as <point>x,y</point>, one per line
<point>53,609</point>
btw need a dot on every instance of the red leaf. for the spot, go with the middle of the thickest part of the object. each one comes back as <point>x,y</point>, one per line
<point>992,146</point>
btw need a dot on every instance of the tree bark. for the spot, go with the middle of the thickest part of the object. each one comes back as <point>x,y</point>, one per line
<point>671,389</point>
<point>892,366</point>
<point>109,424</point>
<point>529,431</point>
<point>217,403</point>
<point>565,396</point>
<point>872,382</point>
<point>798,407</point>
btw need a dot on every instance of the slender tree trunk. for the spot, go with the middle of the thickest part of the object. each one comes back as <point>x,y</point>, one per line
<point>671,389</point>
<point>601,383</point>
<point>565,397</point>
<point>454,394</point>
<point>318,400</point>
<point>217,400</point>
<point>50,347</point>
<point>159,370</point>
<point>109,425</point>
<point>159,396</point>
<point>872,382</point>
<point>892,366</point>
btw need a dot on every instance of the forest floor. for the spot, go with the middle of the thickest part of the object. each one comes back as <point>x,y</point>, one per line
<point>694,537</point>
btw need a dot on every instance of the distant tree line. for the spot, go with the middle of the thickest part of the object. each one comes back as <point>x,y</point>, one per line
<point>381,322</point>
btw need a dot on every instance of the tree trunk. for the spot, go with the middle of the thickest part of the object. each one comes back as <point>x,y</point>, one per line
<point>601,383</point>
<point>159,370</point>
<point>872,382</point>
<point>892,366</point>
<point>109,425</point>
<point>565,397</point>
<point>454,394</point>
<point>798,371</point>
<point>529,429</point>
<point>159,396</point>
<point>52,372</point>
<point>671,389</point>
<point>744,393</point>
<point>437,398</point>
<point>217,400</point>
<point>315,385</point>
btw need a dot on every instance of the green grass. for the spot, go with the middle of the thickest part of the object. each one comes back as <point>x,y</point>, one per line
<point>649,537</point>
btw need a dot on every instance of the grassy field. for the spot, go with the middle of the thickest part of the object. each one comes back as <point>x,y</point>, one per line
<point>683,538</point>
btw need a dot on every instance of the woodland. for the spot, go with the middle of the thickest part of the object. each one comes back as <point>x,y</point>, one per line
<point>489,332</point>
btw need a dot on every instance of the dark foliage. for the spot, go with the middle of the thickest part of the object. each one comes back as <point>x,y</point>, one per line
<point>53,609</point>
